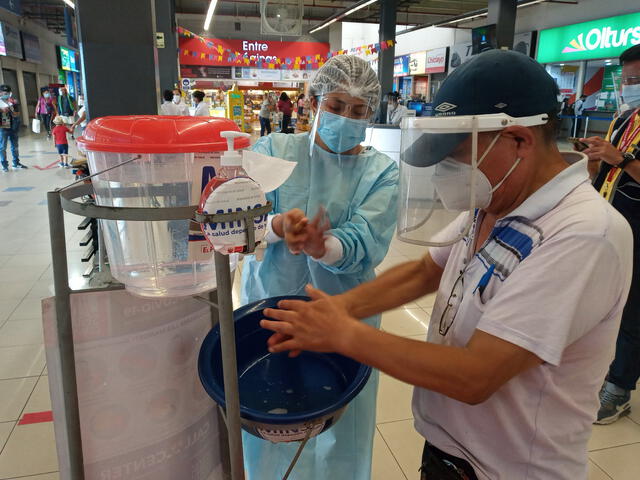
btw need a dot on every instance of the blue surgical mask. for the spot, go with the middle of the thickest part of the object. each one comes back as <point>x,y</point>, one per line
<point>340,133</point>
<point>46,95</point>
<point>631,95</point>
<point>5,96</point>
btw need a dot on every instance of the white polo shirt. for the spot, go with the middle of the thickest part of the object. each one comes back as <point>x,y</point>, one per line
<point>561,273</point>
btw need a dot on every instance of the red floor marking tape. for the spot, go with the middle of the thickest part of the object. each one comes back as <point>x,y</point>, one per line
<point>47,167</point>
<point>36,417</point>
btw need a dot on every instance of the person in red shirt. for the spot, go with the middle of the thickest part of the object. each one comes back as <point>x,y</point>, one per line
<point>59,133</point>
<point>286,107</point>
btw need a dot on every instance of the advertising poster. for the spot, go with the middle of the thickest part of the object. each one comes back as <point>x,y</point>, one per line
<point>437,60</point>
<point>143,412</point>
<point>418,63</point>
<point>3,49</point>
<point>522,43</point>
<point>608,98</point>
<point>459,54</point>
<point>401,66</point>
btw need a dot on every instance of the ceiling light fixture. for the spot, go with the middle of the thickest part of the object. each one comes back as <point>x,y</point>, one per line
<point>70,3</point>
<point>359,7</point>
<point>341,15</point>
<point>209,17</point>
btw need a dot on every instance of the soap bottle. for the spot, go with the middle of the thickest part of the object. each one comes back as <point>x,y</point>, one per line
<point>229,191</point>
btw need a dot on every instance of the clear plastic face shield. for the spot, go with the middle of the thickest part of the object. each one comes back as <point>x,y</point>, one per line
<point>341,123</point>
<point>439,174</point>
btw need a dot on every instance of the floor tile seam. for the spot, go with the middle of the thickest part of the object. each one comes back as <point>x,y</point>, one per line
<point>20,416</point>
<point>601,469</point>
<point>391,452</point>
<point>394,421</point>
<point>613,446</point>
<point>28,476</point>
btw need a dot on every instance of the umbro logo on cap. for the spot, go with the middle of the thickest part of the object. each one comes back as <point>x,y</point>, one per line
<point>445,107</point>
<point>500,105</point>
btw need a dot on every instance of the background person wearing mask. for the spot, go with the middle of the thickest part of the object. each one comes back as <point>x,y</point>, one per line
<point>44,110</point>
<point>82,115</point>
<point>9,128</point>
<point>286,107</point>
<point>202,107</point>
<point>268,106</point>
<point>615,168</point>
<point>507,381</point>
<point>66,106</point>
<point>395,111</point>
<point>169,107</point>
<point>358,188</point>
<point>178,100</point>
<point>300,104</point>
<point>578,110</point>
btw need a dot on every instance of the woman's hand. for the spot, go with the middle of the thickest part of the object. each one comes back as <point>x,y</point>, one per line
<point>314,245</point>
<point>294,224</point>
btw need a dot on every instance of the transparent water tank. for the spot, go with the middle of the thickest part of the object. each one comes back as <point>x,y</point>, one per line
<point>177,157</point>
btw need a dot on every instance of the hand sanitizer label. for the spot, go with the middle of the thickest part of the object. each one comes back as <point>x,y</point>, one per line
<point>227,196</point>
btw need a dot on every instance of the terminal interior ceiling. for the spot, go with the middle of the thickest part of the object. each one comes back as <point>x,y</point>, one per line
<point>409,11</point>
<point>100,383</point>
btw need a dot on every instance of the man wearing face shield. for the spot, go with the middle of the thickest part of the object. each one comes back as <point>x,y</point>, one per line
<point>332,225</point>
<point>531,281</point>
<point>614,166</point>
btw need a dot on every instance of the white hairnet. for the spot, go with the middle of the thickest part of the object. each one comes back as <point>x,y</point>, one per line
<point>349,74</point>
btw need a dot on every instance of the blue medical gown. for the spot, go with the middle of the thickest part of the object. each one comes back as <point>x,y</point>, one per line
<point>359,193</point>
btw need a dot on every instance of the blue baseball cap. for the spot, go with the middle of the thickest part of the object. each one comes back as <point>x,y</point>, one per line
<point>495,81</point>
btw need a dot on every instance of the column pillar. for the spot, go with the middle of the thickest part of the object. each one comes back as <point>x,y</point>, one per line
<point>119,58</point>
<point>388,15</point>
<point>168,56</point>
<point>503,14</point>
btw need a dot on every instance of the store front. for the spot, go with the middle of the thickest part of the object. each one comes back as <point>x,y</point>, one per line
<point>255,69</point>
<point>583,58</point>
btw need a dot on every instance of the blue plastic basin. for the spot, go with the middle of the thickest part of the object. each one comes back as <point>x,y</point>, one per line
<point>281,398</point>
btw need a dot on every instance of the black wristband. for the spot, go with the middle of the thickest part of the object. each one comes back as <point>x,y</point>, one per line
<point>627,158</point>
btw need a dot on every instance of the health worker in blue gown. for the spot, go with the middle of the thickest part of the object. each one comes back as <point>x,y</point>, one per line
<point>333,221</point>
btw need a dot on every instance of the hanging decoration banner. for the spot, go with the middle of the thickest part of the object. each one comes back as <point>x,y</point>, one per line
<point>197,50</point>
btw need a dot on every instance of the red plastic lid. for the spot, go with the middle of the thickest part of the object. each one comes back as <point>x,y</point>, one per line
<point>158,134</point>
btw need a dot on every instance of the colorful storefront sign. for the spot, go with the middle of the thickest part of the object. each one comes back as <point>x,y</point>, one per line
<point>215,52</point>
<point>603,38</point>
<point>437,60</point>
<point>401,66</point>
<point>418,63</point>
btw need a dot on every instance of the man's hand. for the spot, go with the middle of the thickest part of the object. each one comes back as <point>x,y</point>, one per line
<point>321,325</point>
<point>601,150</point>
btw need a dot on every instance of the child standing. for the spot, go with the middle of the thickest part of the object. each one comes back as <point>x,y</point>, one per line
<point>59,133</point>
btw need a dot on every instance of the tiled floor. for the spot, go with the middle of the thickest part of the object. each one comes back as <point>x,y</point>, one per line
<point>28,451</point>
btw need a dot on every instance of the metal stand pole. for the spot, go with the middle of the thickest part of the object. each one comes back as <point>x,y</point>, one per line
<point>65,336</point>
<point>229,365</point>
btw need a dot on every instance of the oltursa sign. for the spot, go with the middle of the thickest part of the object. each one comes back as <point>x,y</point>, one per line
<point>604,38</point>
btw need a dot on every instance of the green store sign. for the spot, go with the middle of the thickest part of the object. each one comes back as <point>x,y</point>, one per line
<point>604,38</point>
